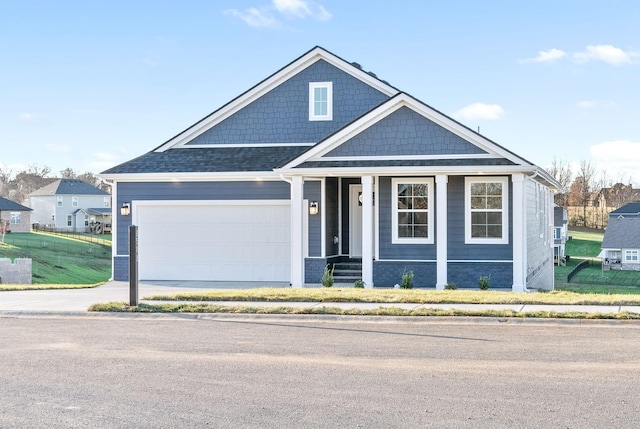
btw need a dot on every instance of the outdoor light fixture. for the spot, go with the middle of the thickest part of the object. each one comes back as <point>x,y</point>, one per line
<point>125,210</point>
<point>313,208</point>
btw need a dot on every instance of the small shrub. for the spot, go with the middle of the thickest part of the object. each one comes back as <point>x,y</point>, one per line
<point>327,277</point>
<point>484,282</point>
<point>407,280</point>
<point>358,284</point>
<point>451,286</point>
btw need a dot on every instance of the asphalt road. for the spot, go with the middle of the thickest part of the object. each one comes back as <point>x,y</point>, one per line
<point>183,371</point>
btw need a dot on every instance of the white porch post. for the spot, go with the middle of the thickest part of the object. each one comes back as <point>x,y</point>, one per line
<point>367,230</point>
<point>297,213</point>
<point>519,221</point>
<point>441,231</point>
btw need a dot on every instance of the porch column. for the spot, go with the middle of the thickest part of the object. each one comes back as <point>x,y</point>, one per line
<point>441,231</point>
<point>367,230</point>
<point>519,221</point>
<point>297,212</point>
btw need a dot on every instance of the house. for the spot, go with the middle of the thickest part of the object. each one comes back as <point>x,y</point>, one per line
<point>621,242</point>
<point>322,163</point>
<point>560,233</point>
<point>70,204</point>
<point>16,217</point>
<point>600,203</point>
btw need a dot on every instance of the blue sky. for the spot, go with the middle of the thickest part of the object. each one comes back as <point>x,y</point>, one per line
<point>88,85</point>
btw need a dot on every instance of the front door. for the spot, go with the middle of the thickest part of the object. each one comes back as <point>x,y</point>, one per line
<point>355,221</point>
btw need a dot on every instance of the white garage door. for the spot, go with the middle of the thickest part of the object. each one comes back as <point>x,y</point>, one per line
<point>221,241</point>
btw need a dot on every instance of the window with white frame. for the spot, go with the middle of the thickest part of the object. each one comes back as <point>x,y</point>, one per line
<point>16,218</point>
<point>86,220</point>
<point>106,202</point>
<point>631,256</point>
<point>69,220</point>
<point>320,101</point>
<point>557,233</point>
<point>486,210</point>
<point>59,201</point>
<point>74,201</point>
<point>412,210</point>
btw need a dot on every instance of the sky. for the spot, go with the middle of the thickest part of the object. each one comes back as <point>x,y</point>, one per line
<point>90,84</point>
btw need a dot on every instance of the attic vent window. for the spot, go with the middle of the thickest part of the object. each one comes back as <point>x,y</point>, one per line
<point>320,101</point>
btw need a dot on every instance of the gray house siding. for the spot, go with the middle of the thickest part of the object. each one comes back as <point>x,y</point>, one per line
<point>313,269</point>
<point>331,216</point>
<point>282,114</point>
<point>405,132</point>
<point>539,219</point>
<point>457,248</point>
<point>397,251</point>
<point>312,192</point>
<point>466,274</point>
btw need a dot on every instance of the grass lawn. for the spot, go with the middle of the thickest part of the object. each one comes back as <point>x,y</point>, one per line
<point>419,296</point>
<point>58,260</point>
<point>584,244</point>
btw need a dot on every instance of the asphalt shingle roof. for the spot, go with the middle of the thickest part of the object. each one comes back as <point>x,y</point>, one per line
<point>630,208</point>
<point>622,233</point>
<point>6,204</point>
<point>406,163</point>
<point>209,160</point>
<point>68,187</point>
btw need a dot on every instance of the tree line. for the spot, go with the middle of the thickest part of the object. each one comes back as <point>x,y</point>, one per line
<point>589,194</point>
<point>16,186</point>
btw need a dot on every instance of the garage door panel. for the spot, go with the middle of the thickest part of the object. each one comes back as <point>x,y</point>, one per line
<point>215,242</point>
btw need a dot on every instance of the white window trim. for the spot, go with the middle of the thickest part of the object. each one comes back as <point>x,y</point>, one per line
<point>60,201</point>
<point>69,220</point>
<point>312,87</point>
<point>394,210</point>
<point>505,210</point>
<point>15,218</point>
<point>74,201</point>
<point>629,256</point>
<point>106,202</point>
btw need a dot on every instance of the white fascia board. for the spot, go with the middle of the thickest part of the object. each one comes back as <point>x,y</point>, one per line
<point>193,177</point>
<point>386,109</point>
<point>237,145</point>
<point>481,170</point>
<point>406,157</point>
<point>267,85</point>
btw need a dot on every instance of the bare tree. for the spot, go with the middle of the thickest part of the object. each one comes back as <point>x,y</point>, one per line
<point>67,173</point>
<point>587,174</point>
<point>561,171</point>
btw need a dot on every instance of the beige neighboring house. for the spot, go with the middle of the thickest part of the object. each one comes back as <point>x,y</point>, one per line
<point>17,216</point>
<point>72,205</point>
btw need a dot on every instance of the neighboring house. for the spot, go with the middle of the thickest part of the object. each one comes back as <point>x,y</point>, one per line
<point>601,203</point>
<point>560,233</point>
<point>621,244</point>
<point>323,163</point>
<point>16,216</point>
<point>70,204</point>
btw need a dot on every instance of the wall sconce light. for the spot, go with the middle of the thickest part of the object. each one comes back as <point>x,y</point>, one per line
<point>313,208</point>
<point>125,210</point>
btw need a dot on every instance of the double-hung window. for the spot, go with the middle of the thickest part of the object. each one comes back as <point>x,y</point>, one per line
<point>69,220</point>
<point>16,218</point>
<point>320,101</point>
<point>59,201</point>
<point>74,201</point>
<point>631,256</point>
<point>412,210</point>
<point>486,210</point>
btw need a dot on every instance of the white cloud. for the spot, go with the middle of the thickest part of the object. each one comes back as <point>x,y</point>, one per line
<point>302,9</point>
<point>619,158</point>
<point>606,53</point>
<point>253,17</point>
<point>268,16</point>
<point>480,111</point>
<point>547,56</point>
<point>591,104</point>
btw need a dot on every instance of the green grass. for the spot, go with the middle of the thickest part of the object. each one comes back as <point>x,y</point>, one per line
<point>387,311</point>
<point>58,260</point>
<point>416,296</point>
<point>584,244</point>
